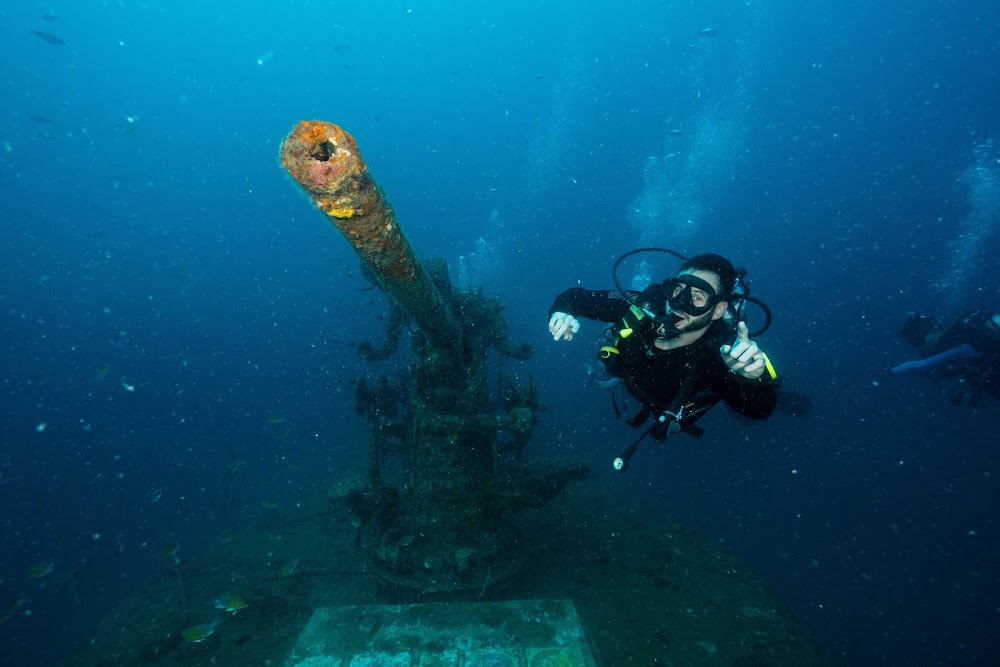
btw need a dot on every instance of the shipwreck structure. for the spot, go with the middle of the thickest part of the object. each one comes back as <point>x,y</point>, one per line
<point>445,475</point>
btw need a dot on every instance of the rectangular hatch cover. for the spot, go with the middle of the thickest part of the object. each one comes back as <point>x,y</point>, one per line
<point>518,633</point>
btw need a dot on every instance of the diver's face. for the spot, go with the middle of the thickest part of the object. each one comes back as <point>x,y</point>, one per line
<point>690,323</point>
<point>699,298</point>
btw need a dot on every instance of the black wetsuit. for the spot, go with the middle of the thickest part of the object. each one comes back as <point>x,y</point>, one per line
<point>981,374</point>
<point>655,376</point>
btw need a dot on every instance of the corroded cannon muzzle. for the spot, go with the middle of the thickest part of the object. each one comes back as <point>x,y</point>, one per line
<point>325,161</point>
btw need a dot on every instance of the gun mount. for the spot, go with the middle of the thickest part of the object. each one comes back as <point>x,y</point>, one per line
<point>444,522</point>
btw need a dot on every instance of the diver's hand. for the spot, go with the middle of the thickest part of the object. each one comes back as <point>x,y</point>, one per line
<point>744,357</point>
<point>563,326</point>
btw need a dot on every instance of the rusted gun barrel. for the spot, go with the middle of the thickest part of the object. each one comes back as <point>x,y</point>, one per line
<point>324,160</point>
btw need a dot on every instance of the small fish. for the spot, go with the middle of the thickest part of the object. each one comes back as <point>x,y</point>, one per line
<point>708,33</point>
<point>48,37</point>
<point>199,633</point>
<point>39,570</point>
<point>226,536</point>
<point>268,504</point>
<point>11,609</point>
<point>235,467</point>
<point>230,603</point>
<point>41,120</point>
<point>288,568</point>
<point>275,419</point>
<point>170,551</point>
<point>374,630</point>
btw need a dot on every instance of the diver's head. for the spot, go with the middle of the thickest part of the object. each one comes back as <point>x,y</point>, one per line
<point>701,291</point>
<point>917,328</point>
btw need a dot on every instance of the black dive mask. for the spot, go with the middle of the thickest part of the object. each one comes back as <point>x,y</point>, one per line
<point>681,296</point>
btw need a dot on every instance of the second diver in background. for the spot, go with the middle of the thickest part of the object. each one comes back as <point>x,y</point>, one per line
<point>968,350</point>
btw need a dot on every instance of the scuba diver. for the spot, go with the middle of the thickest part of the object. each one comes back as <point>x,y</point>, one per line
<point>679,347</point>
<point>968,350</point>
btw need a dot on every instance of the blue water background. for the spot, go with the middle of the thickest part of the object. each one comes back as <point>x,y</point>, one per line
<point>172,306</point>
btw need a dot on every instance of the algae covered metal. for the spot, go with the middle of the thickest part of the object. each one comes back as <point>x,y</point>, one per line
<point>325,161</point>
<point>445,470</point>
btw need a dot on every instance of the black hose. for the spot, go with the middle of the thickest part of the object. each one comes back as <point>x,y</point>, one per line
<point>614,269</point>
<point>767,315</point>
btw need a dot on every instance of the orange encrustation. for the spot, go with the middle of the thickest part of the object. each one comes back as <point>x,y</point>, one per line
<point>325,162</point>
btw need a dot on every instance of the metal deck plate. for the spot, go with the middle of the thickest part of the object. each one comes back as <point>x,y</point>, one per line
<point>519,633</point>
